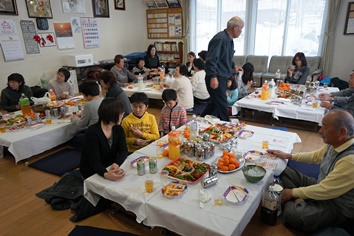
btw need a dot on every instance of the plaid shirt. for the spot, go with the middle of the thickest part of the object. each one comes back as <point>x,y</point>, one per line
<point>177,116</point>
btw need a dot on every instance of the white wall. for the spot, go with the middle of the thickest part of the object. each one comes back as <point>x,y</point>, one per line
<point>123,33</point>
<point>343,54</point>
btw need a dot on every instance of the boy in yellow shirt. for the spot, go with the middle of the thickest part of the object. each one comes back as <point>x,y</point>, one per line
<point>140,127</point>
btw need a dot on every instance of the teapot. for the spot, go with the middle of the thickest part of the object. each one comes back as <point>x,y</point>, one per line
<point>41,101</point>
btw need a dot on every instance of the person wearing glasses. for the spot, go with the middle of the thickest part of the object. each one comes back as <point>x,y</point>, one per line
<point>298,72</point>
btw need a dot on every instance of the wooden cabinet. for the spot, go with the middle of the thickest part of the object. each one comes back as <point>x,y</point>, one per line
<point>170,53</point>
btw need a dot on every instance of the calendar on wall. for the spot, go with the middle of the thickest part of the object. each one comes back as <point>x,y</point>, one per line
<point>11,48</point>
<point>9,40</point>
<point>90,32</point>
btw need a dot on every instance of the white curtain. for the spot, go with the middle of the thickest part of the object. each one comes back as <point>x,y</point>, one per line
<point>186,21</point>
<point>328,40</point>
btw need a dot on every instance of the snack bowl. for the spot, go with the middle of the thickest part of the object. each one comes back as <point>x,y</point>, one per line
<point>253,173</point>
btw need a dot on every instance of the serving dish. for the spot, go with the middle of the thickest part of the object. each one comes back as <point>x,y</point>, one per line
<point>253,155</point>
<point>225,163</point>
<point>222,132</point>
<point>174,189</point>
<point>235,195</point>
<point>245,134</point>
<point>186,170</point>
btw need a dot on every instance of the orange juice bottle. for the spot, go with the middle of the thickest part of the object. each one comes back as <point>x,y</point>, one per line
<point>173,144</point>
<point>265,88</point>
<point>25,105</point>
<point>52,95</point>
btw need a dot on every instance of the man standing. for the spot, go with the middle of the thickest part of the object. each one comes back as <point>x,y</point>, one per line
<point>343,99</point>
<point>328,201</point>
<point>218,66</point>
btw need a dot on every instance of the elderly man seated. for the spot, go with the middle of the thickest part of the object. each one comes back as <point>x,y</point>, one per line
<point>311,204</point>
<point>343,99</point>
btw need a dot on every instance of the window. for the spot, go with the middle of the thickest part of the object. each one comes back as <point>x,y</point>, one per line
<point>272,27</point>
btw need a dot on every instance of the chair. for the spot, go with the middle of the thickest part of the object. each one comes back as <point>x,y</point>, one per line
<point>240,60</point>
<point>260,67</point>
<point>277,62</point>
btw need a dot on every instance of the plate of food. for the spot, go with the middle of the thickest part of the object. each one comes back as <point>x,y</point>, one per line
<point>222,132</point>
<point>235,195</point>
<point>245,134</point>
<point>228,163</point>
<point>275,103</point>
<point>55,104</point>
<point>253,155</point>
<point>174,189</point>
<point>134,162</point>
<point>186,170</point>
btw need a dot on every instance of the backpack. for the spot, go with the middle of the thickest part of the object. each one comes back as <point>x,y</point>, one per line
<point>340,84</point>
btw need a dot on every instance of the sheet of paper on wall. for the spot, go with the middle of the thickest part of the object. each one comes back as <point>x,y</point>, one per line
<point>11,48</point>
<point>90,34</point>
<point>75,24</point>
<point>28,32</point>
<point>7,27</point>
<point>64,35</point>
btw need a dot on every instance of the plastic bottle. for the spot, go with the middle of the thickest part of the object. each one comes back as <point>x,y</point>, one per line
<point>265,88</point>
<point>162,72</point>
<point>194,128</point>
<point>278,189</point>
<point>271,92</point>
<point>140,82</point>
<point>269,210</point>
<point>25,105</point>
<point>52,95</point>
<point>236,149</point>
<point>277,74</point>
<point>173,144</point>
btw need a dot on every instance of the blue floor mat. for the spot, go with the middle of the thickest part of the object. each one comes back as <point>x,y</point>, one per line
<point>92,231</point>
<point>311,170</point>
<point>60,162</point>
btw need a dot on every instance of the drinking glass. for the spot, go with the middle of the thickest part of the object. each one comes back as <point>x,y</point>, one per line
<point>265,144</point>
<point>149,186</point>
<point>2,128</point>
<point>164,177</point>
<point>218,199</point>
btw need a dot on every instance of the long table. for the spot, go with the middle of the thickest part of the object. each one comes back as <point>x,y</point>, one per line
<point>31,141</point>
<point>184,215</point>
<point>148,89</point>
<point>286,110</point>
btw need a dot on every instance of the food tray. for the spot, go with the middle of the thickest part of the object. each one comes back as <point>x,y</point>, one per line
<point>134,162</point>
<point>236,195</point>
<point>253,155</point>
<point>186,169</point>
<point>174,189</point>
<point>222,132</point>
<point>245,134</point>
<point>242,163</point>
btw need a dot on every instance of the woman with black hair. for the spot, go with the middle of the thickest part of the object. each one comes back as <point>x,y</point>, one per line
<point>152,60</point>
<point>247,79</point>
<point>105,144</point>
<point>109,84</point>
<point>60,86</point>
<point>189,64</point>
<point>298,72</point>
<point>10,95</point>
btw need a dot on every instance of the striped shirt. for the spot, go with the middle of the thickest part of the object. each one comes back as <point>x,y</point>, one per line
<point>177,116</point>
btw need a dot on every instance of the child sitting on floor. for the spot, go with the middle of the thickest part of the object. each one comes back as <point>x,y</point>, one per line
<point>172,114</point>
<point>140,127</point>
<point>231,92</point>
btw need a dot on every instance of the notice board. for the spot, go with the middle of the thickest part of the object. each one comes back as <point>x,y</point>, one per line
<point>164,23</point>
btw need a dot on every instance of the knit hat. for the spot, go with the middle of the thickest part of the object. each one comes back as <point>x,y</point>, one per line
<point>16,77</point>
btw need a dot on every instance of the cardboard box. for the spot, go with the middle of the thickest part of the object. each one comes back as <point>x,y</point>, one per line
<point>78,60</point>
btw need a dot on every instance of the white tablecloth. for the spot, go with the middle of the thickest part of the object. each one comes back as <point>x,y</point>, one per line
<point>151,92</point>
<point>183,215</point>
<point>28,142</point>
<point>286,110</point>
